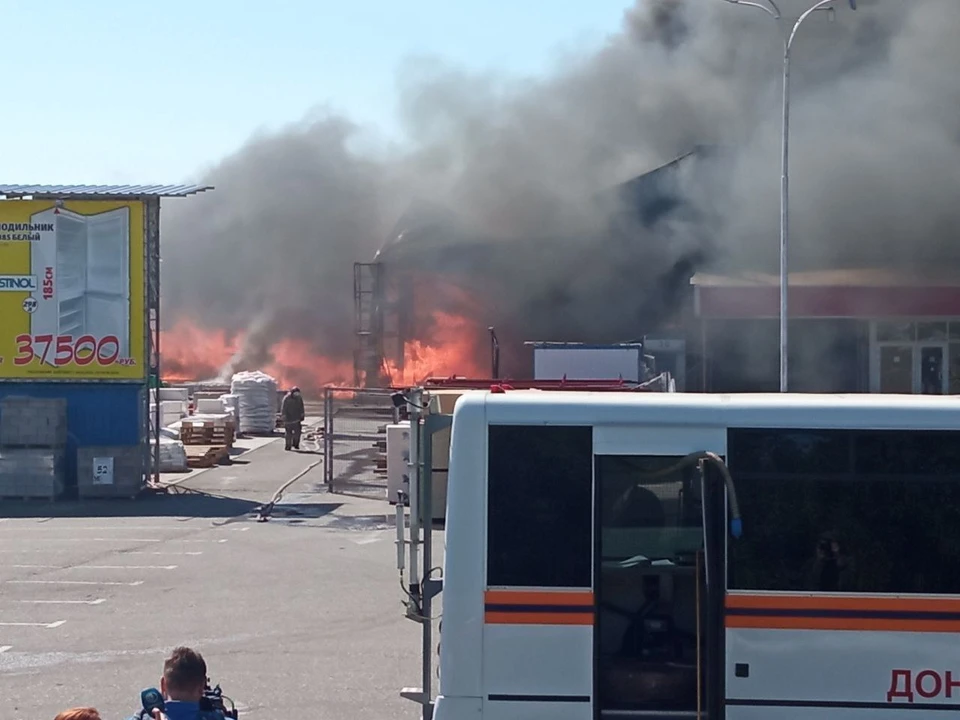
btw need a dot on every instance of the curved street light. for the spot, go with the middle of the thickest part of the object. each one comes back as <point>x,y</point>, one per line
<point>771,9</point>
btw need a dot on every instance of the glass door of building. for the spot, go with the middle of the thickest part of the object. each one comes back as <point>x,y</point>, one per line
<point>896,369</point>
<point>913,368</point>
<point>915,357</point>
<point>931,375</point>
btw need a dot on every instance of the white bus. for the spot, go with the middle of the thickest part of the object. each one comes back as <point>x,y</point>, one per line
<point>595,565</point>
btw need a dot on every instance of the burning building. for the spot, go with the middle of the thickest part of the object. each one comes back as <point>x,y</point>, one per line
<point>514,234</point>
<point>605,284</point>
<point>854,327</point>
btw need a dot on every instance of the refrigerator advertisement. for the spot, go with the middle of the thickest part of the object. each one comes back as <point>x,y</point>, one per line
<point>71,290</point>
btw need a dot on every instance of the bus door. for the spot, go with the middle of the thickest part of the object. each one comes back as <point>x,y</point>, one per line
<point>653,644</point>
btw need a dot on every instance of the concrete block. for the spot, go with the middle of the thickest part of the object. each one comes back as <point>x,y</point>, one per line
<point>115,471</point>
<point>35,422</point>
<point>32,473</point>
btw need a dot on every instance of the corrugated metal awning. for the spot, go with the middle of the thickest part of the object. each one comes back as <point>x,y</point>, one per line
<point>100,191</point>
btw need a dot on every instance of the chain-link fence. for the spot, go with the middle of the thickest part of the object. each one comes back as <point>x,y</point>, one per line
<point>355,439</point>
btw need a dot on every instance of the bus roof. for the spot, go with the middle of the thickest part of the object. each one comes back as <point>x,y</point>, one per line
<point>784,410</point>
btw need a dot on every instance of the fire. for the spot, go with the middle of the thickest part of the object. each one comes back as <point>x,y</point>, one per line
<point>296,363</point>
<point>191,353</point>
<point>452,349</point>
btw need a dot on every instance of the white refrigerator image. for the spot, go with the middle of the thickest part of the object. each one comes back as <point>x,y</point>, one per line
<point>83,276</point>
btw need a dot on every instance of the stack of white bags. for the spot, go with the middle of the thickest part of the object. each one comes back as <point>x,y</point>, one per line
<point>256,400</point>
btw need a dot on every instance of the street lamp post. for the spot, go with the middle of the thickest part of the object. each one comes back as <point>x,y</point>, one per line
<point>773,11</point>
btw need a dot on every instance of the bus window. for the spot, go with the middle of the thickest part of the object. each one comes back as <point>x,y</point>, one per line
<point>650,531</point>
<point>869,512</point>
<point>540,506</point>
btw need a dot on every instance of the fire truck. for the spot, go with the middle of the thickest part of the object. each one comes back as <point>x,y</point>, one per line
<point>670,555</point>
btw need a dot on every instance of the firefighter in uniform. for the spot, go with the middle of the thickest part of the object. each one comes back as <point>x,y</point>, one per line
<point>292,412</point>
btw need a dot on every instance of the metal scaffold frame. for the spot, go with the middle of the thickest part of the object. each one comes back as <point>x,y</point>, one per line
<point>382,321</point>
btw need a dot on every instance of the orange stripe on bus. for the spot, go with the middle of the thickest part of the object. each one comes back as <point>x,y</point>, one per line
<point>576,598</point>
<point>826,602</point>
<point>537,618</point>
<point>833,623</point>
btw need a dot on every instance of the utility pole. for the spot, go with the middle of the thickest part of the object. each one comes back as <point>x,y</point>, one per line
<point>770,7</point>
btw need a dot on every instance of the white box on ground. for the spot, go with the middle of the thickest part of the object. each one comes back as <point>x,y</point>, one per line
<point>398,471</point>
<point>173,407</point>
<point>103,471</point>
<point>209,406</point>
<point>175,393</point>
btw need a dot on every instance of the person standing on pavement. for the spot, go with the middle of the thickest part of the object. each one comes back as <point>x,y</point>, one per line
<point>293,414</point>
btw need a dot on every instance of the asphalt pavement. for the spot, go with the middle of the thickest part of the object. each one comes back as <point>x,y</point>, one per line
<point>299,616</point>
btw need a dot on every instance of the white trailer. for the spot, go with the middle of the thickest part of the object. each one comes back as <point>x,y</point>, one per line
<point>579,361</point>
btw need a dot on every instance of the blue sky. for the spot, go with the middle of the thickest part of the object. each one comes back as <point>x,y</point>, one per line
<point>111,91</point>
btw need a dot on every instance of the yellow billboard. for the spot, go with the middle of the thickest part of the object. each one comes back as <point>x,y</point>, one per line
<point>71,290</point>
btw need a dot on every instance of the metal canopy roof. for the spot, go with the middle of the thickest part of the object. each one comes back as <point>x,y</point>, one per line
<point>100,191</point>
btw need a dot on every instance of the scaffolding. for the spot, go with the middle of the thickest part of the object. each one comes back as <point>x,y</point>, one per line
<point>382,322</point>
<point>368,355</point>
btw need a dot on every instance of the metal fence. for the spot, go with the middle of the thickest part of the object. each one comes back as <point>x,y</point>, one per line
<point>355,439</point>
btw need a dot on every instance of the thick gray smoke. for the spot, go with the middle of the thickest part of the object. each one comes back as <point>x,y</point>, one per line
<point>875,171</point>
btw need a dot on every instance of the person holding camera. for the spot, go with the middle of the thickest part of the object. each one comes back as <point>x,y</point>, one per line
<point>831,567</point>
<point>182,686</point>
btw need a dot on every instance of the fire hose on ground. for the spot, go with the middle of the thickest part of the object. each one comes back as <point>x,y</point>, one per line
<point>263,512</point>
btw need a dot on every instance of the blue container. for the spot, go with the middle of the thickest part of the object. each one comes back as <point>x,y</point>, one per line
<point>98,414</point>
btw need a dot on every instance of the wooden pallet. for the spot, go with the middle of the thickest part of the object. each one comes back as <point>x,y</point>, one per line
<point>207,434</point>
<point>205,456</point>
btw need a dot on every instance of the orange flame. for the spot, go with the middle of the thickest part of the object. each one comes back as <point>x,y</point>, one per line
<point>451,350</point>
<point>191,353</point>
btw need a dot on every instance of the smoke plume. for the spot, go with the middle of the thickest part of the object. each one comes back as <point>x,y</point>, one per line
<point>518,163</point>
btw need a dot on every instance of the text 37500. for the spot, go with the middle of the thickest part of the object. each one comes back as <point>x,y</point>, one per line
<point>65,350</point>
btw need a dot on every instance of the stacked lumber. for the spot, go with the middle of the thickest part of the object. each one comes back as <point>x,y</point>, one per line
<point>208,433</point>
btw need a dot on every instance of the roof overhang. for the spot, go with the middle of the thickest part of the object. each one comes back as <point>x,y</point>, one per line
<point>858,294</point>
<point>98,192</point>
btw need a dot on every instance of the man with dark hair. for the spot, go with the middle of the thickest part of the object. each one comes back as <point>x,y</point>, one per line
<point>182,684</point>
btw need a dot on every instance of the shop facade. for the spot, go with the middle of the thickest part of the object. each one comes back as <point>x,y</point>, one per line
<point>850,331</point>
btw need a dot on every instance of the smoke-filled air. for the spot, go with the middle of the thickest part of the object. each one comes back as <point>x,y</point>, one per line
<point>259,272</point>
